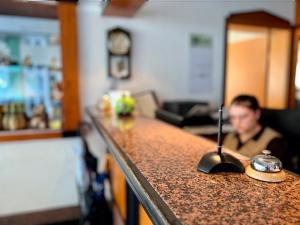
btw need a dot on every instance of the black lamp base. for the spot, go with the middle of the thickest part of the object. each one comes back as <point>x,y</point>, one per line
<point>212,162</point>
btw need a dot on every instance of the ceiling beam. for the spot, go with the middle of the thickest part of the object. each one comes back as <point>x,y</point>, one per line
<point>123,8</point>
<point>29,9</point>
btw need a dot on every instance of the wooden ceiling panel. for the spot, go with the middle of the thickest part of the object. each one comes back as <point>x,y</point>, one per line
<point>124,8</point>
<point>29,9</point>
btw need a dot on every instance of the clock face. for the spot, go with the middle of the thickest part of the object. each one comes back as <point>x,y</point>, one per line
<point>119,43</point>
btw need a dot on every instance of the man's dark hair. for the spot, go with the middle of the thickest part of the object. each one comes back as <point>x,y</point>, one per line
<point>248,101</point>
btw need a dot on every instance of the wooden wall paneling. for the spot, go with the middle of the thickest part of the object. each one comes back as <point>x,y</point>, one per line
<point>294,56</point>
<point>124,8</point>
<point>294,59</point>
<point>278,70</point>
<point>246,67</point>
<point>69,48</point>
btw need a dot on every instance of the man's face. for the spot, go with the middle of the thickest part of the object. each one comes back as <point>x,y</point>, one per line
<point>243,119</point>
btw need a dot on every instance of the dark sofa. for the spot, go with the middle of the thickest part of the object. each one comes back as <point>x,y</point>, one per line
<point>185,113</point>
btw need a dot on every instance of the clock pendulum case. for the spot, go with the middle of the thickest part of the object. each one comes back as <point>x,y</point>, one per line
<point>119,48</point>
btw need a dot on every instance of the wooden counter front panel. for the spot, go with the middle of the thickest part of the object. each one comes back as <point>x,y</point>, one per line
<point>143,217</point>
<point>118,184</point>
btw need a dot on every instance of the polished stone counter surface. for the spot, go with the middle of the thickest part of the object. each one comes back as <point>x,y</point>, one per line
<point>160,163</point>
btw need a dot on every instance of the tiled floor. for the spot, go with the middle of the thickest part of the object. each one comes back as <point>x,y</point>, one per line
<point>38,176</point>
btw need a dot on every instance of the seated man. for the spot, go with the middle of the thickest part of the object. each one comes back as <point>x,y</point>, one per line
<point>250,137</point>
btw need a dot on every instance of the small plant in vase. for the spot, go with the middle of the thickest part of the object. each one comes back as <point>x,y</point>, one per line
<point>125,105</point>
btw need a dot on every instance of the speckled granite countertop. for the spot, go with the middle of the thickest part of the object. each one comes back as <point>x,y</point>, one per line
<point>160,162</point>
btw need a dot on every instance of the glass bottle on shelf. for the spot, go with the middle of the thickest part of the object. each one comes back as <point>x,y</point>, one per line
<point>1,116</point>
<point>13,118</point>
<point>21,116</point>
<point>55,121</point>
<point>5,117</point>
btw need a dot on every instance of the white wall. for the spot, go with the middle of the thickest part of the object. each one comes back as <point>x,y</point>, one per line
<point>18,24</point>
<point>160,33</point>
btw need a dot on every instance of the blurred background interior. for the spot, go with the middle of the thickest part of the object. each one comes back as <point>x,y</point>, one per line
<point>58,57</point>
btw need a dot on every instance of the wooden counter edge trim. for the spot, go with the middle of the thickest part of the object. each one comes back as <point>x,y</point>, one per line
<point>41,217</point>
<point>19,136</point>
<point>156,208</point>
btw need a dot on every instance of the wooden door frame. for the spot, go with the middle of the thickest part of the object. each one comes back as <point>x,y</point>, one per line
<point>67,15</point>
<point>294,59</point>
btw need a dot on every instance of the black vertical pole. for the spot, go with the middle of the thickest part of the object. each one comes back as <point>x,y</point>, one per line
<point>220,130</point>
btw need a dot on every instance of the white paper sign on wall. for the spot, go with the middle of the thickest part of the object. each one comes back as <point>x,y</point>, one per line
<point>201,62</point>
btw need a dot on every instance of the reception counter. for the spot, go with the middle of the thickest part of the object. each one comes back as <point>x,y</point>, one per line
<point>159,162</point>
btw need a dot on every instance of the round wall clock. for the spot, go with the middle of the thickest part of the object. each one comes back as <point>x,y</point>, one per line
<point>119,47</point>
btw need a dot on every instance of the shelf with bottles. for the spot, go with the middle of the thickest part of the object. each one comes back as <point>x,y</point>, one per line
<point>20,116</point>
<point>17,124</point>
<point>35,94</point>
<point>32,74</point>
